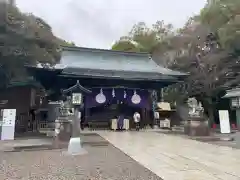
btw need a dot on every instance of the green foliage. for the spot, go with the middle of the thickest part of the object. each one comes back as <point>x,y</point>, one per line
<point>212,71</point>
<point>230,34</point>
<point>223,17</point>
<point>142,38</point>
<point>124,45</point>
<point>28,37</point>
<point>25,39</point>
<point>65,43</point>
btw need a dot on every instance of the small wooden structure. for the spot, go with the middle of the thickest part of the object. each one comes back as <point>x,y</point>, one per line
<point>25,97</point>
<point>165,112</point>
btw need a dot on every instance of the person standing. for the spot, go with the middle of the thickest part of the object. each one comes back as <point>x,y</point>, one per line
<point>157,119</point>
<point>120,122</point>
<point>136,118</point>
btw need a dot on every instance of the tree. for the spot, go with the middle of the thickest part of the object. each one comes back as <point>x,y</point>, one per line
<point>65,43</point>
<point>223,17</point>
<point>212,68</point>
<point>142,38</point>
<point>207,48</point>
<point>126,45</point>
<point>25,39</point>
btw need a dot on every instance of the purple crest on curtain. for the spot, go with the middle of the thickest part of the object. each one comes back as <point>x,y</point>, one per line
<point>119,95</point>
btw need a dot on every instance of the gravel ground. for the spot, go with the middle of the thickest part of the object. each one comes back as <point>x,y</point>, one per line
<point>102,162</point>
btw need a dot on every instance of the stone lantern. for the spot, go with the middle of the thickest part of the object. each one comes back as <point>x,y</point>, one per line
<point>72,111</point>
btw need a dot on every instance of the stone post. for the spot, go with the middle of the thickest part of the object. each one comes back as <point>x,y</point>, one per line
<point>75,146</point>
<point>76,123</point>
<point>56,133</point>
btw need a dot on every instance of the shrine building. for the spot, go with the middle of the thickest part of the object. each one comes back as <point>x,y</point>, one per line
<point>120,82</point>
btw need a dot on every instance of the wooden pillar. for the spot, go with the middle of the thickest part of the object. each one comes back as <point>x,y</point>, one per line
<point>85,113</point>
<point>238,118</point>
<point>142,122</point>
<point>148,117</point>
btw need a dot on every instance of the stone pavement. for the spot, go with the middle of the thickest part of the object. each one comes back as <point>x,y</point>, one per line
<point>172,157</point>
<point>102,162</point>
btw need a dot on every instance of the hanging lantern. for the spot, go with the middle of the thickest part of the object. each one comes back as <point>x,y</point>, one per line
<point>77,98</point>
<point>113,93</point>
<point>40,101</point>
<point>100,98</point>
<point>136,99</point>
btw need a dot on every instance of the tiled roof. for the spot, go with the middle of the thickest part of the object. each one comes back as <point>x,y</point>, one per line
<point>97,59</point>
<point>232,93</point>
<point>127,75</point>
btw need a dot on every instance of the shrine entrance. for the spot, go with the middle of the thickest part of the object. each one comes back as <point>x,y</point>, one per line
<point>103,105</point>
<point>117,80</point>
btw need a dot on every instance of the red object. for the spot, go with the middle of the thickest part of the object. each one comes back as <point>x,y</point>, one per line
<point>214,126</point>
<point>234,126</point>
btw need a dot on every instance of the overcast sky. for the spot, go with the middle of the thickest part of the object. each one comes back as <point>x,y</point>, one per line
<point>98,23</point>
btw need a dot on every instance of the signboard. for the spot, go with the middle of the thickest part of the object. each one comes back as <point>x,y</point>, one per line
<point>77,98</point>
<point>235,102</point>
<point>224,121</point>
<point>8,124</point>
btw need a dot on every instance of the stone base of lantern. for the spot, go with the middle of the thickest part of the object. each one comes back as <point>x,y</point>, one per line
<point>196,126</point>
<point>75,147</point>
<point>63,132</point>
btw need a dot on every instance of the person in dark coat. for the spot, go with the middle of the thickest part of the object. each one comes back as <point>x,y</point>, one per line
<point>120,122</point>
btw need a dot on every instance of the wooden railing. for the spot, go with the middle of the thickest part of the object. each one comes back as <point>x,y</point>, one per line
<point>21,123</point>
<point>45,125</point>
<point>46,128</point>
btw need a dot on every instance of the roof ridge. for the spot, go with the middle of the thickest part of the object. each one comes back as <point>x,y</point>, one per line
<point>86,49</point>
<point>141,62</point>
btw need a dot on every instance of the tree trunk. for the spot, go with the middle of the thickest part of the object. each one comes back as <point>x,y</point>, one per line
<point>209,107</point>
<point>210,116</point>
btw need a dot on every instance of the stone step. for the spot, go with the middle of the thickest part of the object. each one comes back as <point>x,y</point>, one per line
<point>178,128</point>
<point>48,131</point>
